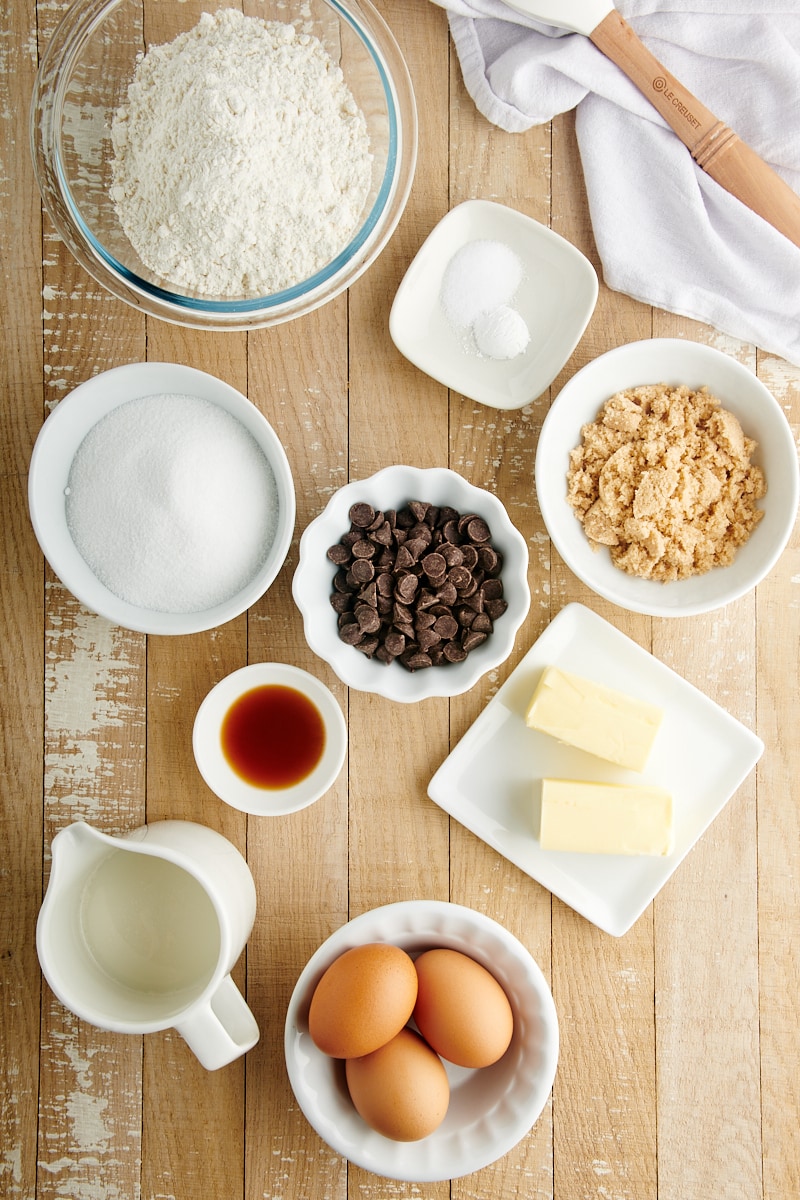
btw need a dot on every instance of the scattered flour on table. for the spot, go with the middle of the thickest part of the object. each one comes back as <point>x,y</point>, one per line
<point>172,503</point>
<point>241,159</point>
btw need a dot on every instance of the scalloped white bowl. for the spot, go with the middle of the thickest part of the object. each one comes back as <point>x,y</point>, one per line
<point>312,584</point>
<point>670,361</point>
<point>491,1109</point>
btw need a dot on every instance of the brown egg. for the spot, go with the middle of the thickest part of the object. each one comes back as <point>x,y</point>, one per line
<point>461,1009</point>
<point>364,998</point>
<point>401,1090</point>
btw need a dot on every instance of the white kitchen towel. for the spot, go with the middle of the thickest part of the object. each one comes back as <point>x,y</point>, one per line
<point>666,233</point>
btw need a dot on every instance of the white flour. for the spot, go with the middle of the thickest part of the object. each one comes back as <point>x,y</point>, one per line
<point>241,160</point>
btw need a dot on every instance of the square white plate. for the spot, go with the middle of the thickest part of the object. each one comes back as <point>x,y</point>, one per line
<point>556,298</point>
<point>490,780</point>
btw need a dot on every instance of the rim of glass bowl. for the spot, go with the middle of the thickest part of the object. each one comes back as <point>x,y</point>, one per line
<point>45,137</point>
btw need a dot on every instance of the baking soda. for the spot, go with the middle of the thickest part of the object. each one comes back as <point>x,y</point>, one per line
<point>501,333</point>
<point>172,503</point>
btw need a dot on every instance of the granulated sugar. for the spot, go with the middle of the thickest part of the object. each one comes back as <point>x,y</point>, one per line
<point>241,159</point>
<point>172,503</point>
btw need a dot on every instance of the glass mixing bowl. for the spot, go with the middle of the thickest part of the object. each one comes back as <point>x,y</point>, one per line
<point>82,81</point>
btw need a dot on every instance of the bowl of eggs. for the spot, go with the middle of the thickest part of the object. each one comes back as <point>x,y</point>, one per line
<point>421,1041</point>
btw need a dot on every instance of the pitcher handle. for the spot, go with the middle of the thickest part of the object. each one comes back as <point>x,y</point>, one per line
<point>222,1029</point>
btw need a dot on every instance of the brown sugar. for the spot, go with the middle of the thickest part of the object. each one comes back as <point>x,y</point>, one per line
<point>663,478</point>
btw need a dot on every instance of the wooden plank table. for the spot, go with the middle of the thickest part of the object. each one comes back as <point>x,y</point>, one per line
<point>679,1075</point>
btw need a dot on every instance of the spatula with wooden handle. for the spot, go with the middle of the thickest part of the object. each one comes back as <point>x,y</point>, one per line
<point>712,144</point>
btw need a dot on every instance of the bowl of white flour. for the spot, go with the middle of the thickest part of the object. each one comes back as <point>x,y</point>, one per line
<point>162,498</point>
<point>223,170</point>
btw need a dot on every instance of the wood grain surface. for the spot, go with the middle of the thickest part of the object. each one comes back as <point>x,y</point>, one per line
<point>679,1072</point>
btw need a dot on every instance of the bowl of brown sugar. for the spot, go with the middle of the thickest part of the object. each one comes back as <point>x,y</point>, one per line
<point>667,477</point>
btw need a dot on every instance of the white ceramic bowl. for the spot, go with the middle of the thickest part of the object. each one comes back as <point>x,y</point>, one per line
<point>556,299</point>
<point>82,80</point>
<point>490,1109</point>
<point>230,786</point>
<point>669,361</point>
<point>56,445</point>
<point>393,487</point>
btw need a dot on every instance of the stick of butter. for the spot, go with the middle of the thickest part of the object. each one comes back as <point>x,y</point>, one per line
<point>592,717</point>
<point>605,818</point>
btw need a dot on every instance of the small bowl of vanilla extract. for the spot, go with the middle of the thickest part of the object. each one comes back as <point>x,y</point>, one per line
<point>269,739</point>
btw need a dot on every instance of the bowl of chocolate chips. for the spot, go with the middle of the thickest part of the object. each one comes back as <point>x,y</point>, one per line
<point>412,583</point>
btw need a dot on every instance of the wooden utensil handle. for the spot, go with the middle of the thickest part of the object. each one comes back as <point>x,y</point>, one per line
<point>713,145</point>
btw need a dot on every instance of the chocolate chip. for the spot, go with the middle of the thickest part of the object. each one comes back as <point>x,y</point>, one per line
<point>369,594</point>
<point>368,618</point>
<point>472,640</point>
<point>341,602</point>
<point>492,589</point>
<point>427,639</point>
<point>404,559</point>
<point>416,661</point>
<point>339,554</point>
<point>453,555</point>
<point>434,565</point>
<point>496,608</point>
<point>362,515</point>
<point>416,547</point>
<point>395,642</point>
<point>477,530</point>
<point>406,588</point>
<point>383,534</point>
<point>362,570</point>
<point>417,585</point>
<point>454,652</point>
<point>460,577</point>
<point>446,627</point>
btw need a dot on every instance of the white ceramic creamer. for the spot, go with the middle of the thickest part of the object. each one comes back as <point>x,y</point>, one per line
<point>140,933</point>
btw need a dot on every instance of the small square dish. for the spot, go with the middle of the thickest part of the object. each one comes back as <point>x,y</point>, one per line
<point>701,754</point>
<point>555,298</point>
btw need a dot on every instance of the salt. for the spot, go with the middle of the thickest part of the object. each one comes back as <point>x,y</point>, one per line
<point>172,503</point>
<point>478,285</point>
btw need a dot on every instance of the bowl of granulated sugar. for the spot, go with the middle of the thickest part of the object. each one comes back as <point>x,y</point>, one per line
<point>162,498</point>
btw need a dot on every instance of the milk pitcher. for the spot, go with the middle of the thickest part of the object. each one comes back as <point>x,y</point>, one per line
<point>140,933</point>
